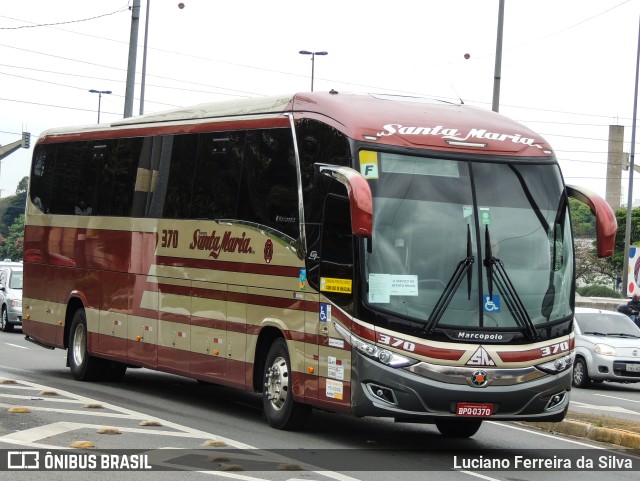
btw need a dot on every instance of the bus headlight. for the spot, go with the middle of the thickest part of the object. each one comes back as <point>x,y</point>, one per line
<point>374,352</point>
<point>557,365</point>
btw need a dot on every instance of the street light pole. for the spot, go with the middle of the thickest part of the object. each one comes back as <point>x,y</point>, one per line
<point>495,105</point>
<point>100,92</point>
<point>627,230</point>
<point>313,57</point>
<point>144,59</point>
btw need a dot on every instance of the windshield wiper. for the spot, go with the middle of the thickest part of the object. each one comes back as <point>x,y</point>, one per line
<point>621,334</point>
<point>595,333</point>
<point>506,288</point>
<point>463,267</point>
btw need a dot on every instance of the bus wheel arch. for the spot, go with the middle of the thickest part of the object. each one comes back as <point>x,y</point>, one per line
<point>73,306</point>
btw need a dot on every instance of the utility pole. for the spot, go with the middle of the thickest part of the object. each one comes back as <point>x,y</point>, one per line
<point>131,69</point>
<point>627,232</point>
<point>617,161</point>
<point>498,67</point>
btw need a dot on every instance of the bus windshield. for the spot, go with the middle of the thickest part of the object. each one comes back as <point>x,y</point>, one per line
<point>468,244</point>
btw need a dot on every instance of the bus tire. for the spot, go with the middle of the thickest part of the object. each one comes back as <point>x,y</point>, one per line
<point>280,410</point>
<point>454,428</point>
<point>84,366</point>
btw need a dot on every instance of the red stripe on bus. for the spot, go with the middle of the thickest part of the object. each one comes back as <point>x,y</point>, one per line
<point>278,120</point>
<point>227,266</point>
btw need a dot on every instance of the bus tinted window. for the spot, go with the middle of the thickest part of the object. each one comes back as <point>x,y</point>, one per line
<point>181,172</point>
<point>41,181</point>
<point>268,194</point>
<point>124,176</point>
<point>217,175</point>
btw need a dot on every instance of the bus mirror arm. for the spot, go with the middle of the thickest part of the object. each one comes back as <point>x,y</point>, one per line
<point>606,224</point>
<point>360,198</point>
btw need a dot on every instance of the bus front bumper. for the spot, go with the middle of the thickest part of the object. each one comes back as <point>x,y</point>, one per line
<point>426,393</point>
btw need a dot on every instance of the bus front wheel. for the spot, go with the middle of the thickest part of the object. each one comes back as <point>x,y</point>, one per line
<point>453,428</point>
<point>280,410</point>
<point>84,367</point>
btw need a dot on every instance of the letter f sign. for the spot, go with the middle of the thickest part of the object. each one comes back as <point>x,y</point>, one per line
<point>369,171</point>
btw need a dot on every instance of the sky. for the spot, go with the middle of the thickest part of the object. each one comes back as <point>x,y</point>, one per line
<point>568,67</point>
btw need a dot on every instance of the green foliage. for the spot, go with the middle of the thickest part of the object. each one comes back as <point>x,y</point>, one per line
<point>598,291</point>
<point>12,248</point>
<point>10,208</point>
<point>582,220</point>
<point>617,261</point>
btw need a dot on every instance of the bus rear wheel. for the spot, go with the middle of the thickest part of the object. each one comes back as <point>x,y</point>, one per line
<point>84,366</point>
<point>280,410</point>
<point>454,428</point>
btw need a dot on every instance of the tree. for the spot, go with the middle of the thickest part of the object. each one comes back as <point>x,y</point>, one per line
<point>582,220</point>
<point>23,185</point>
<point>13,246</point>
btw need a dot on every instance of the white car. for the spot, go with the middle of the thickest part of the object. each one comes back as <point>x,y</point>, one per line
<point>607,347</point>
<point>10,297</point>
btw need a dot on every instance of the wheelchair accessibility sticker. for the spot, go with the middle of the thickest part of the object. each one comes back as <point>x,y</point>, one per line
<point>325,312</point>
<point>492,303</point>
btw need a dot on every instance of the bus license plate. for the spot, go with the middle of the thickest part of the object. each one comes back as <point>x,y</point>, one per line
<point>633,367</point>
<point>473,409</point>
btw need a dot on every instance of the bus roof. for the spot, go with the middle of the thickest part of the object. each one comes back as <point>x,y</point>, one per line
<point>383,119</point>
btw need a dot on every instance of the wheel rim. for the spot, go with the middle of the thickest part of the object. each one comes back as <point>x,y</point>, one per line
<point>78,348</point>
<point>277,383</point>
<point>578,373</point>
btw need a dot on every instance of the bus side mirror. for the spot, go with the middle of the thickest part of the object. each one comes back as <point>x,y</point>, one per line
<point>606,224</point>
<point>359,194</point>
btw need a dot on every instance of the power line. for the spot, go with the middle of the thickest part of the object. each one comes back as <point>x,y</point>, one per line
<point>35,25</point>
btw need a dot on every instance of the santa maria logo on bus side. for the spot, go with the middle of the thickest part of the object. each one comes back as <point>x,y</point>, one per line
<point>217,243</point>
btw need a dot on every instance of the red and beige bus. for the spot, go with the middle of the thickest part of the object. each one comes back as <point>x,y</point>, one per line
<point>363,254</point>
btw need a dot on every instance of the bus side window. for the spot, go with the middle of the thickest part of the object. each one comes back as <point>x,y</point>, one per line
<point>42,176</point>
<point>177,201</point>
<point>269,187</point>
<point>123,177</point>
<point>336,250</point>
<point>217,175</point>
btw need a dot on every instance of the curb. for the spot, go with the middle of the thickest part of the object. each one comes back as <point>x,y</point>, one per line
<point>579,429</point>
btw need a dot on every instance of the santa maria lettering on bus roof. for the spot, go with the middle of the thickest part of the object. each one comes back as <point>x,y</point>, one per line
<point>456,134</point>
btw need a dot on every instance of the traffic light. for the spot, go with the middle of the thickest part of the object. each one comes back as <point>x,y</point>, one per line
<point>26,140</point>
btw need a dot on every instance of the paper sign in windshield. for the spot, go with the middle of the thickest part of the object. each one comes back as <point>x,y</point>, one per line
<point>383,286</point>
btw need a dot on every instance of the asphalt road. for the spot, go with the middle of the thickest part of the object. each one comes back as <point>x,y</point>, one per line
<point>183,425</point>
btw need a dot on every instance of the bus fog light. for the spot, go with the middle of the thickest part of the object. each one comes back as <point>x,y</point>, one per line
<point>555,400</point>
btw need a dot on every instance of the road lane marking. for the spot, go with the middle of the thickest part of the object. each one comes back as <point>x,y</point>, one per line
<point>15,345</point>
<point>31,437</point>
<point>615,409</point>
<point>478,475</point>
<point>618,398</point>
